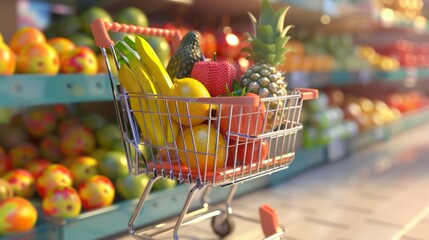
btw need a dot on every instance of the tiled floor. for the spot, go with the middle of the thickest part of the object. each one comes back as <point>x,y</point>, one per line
<point>381,192</point>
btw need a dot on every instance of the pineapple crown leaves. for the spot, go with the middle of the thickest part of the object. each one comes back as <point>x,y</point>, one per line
<point>237,89</point>
<point>269,35</point>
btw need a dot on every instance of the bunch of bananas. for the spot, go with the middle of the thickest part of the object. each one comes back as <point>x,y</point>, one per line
<point>141,71</point>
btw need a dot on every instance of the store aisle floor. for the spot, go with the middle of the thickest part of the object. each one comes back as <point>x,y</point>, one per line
<point>381,192</point>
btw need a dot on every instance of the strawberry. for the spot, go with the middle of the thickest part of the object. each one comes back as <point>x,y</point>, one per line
<point>215,76</point>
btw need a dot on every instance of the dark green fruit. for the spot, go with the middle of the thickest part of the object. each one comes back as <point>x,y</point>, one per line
<point>186,55</point>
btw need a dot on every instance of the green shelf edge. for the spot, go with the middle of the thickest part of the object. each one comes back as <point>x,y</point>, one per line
<point>32,89</point>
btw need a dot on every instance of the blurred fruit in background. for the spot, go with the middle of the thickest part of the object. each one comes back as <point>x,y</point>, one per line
<point>161,48</point>
<point>39,121</point>
<point>24,37</point>
<point>62,202</point>
<point>61,45</point>
<point>133,16</point>
<point>90,14</point>
<point>17,214</point>
<point>164,184</point>
<point>96,192</point>
<point>227,43</point>
<point>82,168</point>
<point>101,63</point>
<point>131,186</point>
<point>94,121</point>
<point>5,162</point>
<point>107,135</point>
<point>79,60</point>
<point>22,154</point>
<point>113,164</point>
<point>208,43</point>
<point>77,140</point>
<point>83,40</point>
<point>55,175</point>
<point>65,26</point>
<point>7,60</point>
<point>22,182</point>
<point>38,58</point>
<point>6,190</point>
<point>36,166</point>
<point>50,148</point>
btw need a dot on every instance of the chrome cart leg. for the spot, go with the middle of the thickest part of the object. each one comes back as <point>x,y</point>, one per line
<point>140,203</point>
<point>222,223</point>
<point>184,210</point>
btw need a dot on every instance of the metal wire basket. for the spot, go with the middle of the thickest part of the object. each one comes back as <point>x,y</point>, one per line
<point>216,141</point>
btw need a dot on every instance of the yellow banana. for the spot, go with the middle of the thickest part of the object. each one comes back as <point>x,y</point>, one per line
<point>159,73</point>
<point>150,124</point>
<point>142,75</point>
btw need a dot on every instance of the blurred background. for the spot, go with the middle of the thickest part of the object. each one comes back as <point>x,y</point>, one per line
<point>368,58</point>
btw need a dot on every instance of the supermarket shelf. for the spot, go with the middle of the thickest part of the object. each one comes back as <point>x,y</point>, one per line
<point>318,80</point>
<point>165,204</point>
<point>28,89</point>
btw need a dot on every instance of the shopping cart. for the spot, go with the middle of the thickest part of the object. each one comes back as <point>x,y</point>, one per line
<point>236,144</point>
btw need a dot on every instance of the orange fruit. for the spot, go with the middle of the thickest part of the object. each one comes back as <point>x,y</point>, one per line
<point>61,44</point>
<point>7,60</point>
<point>197,148</point>
<point>38,58</point>
<point>189,113</point>
<point>17,214</point>
<point>26,36</point>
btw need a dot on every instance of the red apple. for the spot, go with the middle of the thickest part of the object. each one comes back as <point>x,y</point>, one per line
<point>96,192</point>
<point>37,166</point>
<point>55,175</point>
<point>50,148</point>
<point>39,121</point>
<point>22,182</point>
<point>79,60</point>
<point>82,168</point>
<point>62,202</point>
<point>22,154</point>
<point>76,141</point>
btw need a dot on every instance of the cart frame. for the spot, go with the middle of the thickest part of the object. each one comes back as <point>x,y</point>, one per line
<point>167,160</point>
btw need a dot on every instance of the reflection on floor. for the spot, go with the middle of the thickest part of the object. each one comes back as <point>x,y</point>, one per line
<point>381,192</point>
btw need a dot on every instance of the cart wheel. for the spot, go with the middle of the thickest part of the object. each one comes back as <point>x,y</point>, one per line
<point>222,225</point>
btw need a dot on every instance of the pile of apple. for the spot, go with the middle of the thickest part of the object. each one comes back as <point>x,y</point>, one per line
<point>29,51</point>
<point>68,162</point>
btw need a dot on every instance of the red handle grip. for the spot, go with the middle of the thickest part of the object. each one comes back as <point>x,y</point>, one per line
<point>308,93</point>
<point>100,30</point>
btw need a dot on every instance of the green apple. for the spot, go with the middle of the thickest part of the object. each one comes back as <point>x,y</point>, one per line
<point>107,135</point>
<point>163,184</point>
<point>131,186</point>
<point>113,164</point>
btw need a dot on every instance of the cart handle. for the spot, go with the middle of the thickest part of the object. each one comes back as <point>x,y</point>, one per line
<point>100,30</point>
<point>308,93</point>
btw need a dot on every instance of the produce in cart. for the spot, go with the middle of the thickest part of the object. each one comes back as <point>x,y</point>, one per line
<point>267,51</point>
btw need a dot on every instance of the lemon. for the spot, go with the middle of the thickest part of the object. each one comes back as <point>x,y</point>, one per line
<point>197,147</point>
<point>189,113</point>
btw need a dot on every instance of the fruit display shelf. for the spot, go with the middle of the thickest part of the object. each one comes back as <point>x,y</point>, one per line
<point>28,89</point>
<point>338,78</point>
<point>111,221</point>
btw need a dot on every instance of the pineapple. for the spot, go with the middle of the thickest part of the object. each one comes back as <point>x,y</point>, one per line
<point>267,51</point>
